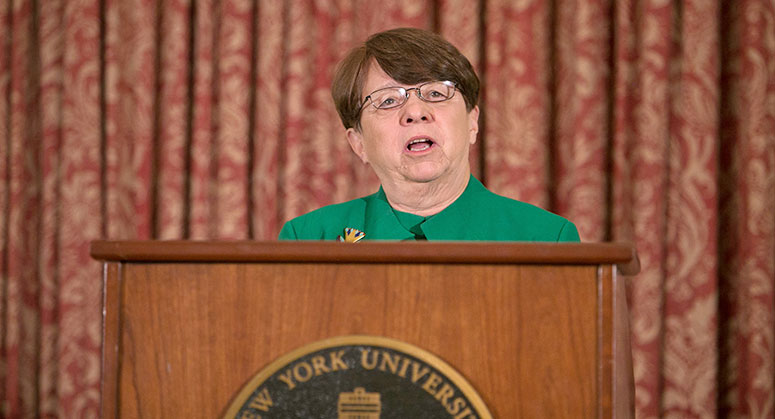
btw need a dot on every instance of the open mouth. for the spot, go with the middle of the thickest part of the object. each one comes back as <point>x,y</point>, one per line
<point>419,144</point>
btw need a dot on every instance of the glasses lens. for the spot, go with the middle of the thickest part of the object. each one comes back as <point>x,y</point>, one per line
<point>437,91</point>
<point>390,97</point>
<point>393,97</point>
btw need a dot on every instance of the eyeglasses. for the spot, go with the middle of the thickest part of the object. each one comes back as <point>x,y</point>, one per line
<point>395,97</point>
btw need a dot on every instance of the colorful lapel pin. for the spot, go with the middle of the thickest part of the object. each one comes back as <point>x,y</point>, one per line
<point>351,235</point>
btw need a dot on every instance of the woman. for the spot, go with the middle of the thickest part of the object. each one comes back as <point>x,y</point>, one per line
<point>408,100</point>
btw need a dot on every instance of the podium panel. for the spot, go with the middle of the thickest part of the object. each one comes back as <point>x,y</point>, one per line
<point>538,330</point>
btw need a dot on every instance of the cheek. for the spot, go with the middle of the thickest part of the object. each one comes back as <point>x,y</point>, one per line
<point>462,133</point>
<point>376,149</point>
<point>382,141</point>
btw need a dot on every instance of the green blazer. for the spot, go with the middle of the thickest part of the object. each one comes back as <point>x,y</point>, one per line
<point>477,214</point>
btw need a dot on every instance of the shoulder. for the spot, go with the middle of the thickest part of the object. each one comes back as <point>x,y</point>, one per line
<point>517,220</point>
<point>326,223</point>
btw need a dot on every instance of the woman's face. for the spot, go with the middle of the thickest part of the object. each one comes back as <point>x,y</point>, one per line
<point>419,142</point>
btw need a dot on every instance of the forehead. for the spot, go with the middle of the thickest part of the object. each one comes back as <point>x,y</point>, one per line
<point>376,79</point>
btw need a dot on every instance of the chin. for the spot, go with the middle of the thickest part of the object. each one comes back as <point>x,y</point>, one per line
<point>424,175</point>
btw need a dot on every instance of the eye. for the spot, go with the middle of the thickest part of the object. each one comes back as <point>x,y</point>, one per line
<point>436,92</point>
<point>388,98</point>
<point>386,103</point>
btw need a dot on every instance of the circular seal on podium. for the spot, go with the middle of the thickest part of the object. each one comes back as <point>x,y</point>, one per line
<point>358,377</point>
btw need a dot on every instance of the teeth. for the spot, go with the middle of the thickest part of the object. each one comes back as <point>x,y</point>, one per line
<point>424,144</point>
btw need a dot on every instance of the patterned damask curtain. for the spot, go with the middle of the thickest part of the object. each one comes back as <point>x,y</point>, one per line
<point>649,121</point>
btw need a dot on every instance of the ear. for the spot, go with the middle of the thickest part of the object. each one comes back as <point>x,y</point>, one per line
<point>355,138</point>
<point>473,124</point>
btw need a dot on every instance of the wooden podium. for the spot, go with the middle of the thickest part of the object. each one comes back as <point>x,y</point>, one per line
<point>539,330</point>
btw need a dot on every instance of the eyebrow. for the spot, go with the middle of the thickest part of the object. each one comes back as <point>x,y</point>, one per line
<point>386,86</point>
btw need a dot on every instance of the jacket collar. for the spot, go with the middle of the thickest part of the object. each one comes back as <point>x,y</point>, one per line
<point>456,222</point>
<point>381,223</point>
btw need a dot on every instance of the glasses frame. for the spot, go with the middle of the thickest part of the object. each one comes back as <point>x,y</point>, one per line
<point>406,92</point>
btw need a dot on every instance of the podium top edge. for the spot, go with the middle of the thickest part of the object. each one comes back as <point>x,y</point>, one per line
<point>622,254</point>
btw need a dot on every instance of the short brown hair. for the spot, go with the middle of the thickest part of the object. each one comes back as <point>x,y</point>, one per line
<point>409,56</point>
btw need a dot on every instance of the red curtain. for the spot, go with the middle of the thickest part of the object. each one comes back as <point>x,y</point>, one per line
<point>648,121</point>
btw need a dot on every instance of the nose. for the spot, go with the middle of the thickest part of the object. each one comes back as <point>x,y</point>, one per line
<point>416,110</point>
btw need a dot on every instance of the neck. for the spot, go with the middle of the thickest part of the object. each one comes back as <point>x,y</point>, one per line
<point>426,199</point>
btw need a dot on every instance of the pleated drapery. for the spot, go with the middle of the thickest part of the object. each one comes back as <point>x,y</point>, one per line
<point>647,121</point>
